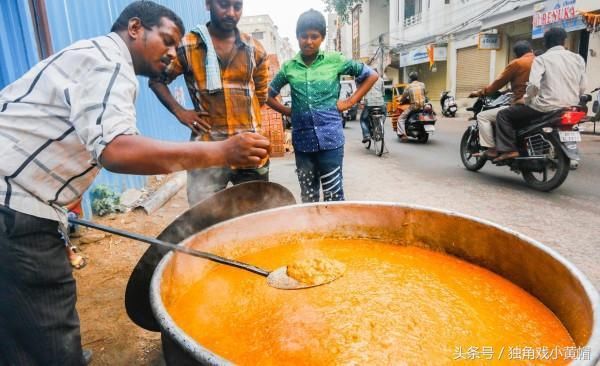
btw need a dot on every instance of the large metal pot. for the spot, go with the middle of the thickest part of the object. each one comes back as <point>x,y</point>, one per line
<point>534,267</point>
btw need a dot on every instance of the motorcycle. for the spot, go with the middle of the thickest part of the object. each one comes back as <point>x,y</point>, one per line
<point>547,145</point>
<point>421,123</point>
<point>449,107</point>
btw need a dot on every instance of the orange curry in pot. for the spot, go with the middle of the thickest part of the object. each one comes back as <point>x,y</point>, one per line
<point>401,305</point>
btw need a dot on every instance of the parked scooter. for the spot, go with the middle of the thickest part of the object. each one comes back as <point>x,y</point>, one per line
<point>546,147</point>
<point>421,123</point>
<point>449,107</point>
<point>596,106</point>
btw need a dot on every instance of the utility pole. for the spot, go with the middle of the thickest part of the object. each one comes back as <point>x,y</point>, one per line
<point>381,49</point>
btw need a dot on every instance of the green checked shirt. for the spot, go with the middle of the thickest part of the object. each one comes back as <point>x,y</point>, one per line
<point>316,121</point>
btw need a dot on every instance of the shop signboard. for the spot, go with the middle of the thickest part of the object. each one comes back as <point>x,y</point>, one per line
<point>489,41</point>
<point>419,55</point>
<point>555,13</point>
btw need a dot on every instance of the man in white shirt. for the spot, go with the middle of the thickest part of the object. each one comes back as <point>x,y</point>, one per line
<point>67,117</point>
<point>556,81</point>
<point>374,98</point>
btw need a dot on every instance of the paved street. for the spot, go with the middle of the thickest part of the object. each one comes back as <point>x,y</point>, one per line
<point>567,219</point>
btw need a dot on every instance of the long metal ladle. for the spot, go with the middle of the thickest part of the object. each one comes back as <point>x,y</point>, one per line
<point>277,278</point>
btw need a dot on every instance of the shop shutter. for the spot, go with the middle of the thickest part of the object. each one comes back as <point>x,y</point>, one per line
<point>472,70</point>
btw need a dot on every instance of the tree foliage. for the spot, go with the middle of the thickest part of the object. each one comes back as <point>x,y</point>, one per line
<point>342,8</point>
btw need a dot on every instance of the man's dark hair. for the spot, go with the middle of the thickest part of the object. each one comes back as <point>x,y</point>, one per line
<point>311,19</point>
<point>413,76</point>
<point>554,37</point>
<point>521,47</point>
<point>150,13</point>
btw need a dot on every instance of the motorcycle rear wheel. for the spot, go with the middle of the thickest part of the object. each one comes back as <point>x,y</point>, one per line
<point>561,164</point>
<point>423,138</point>
<point>470,162</point>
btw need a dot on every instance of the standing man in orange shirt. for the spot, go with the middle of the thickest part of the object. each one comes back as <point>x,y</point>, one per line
<point>226,73</point>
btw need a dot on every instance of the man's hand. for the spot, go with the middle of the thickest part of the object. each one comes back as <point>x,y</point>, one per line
<point>246,149</point>
<point>345,104</point>
<point>475,94</point>
<point>193,120</point>
<point>287,111</point>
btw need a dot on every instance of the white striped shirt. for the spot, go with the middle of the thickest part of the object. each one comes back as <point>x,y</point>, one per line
<point>56,120</point>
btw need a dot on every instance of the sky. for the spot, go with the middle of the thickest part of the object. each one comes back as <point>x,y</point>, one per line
<point>284,13</point>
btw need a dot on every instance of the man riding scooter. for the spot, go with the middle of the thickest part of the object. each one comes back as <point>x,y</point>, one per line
<point>556,81</point>
<point>517,74</point>
<point>415,92</point>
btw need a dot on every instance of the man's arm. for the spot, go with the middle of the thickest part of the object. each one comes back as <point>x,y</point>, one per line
<point>190,118</point>
<point>261,74</point>
<point>276,105</point>
<point>360,92</point>
<point>134,154</point>
<point>111,136</point>
<point>278,82</point>
<point>504,78</point>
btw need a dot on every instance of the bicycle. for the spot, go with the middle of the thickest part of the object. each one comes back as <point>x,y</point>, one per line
<point>376,120</point>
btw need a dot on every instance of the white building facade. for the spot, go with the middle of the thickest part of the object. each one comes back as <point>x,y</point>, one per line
<point>262,28</point>
<point>471,40</point>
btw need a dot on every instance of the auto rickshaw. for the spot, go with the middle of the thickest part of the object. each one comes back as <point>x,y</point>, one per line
<point>394,106</point>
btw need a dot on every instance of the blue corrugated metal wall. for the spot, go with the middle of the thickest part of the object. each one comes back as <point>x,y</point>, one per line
<point>18,51</point>
<point>71,20</point>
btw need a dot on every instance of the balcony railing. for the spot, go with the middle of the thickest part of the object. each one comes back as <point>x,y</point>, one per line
<point>412,20</point>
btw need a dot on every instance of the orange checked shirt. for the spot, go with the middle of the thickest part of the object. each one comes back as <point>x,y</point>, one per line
<point>235,108</point>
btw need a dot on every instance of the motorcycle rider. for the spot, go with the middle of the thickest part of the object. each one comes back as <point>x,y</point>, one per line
<point>556,81</point>
<point>517,74</point>
<point>415,93</point>
<point>374,98</point>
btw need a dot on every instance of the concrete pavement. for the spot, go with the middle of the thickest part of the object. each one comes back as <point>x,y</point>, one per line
<point>567,219</point>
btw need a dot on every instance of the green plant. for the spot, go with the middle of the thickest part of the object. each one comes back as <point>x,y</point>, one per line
<point>104,200</point>
<point>342,8</point>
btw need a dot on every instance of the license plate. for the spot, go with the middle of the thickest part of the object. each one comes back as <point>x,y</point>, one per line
<point>569,136</point>
<point>429,128</point>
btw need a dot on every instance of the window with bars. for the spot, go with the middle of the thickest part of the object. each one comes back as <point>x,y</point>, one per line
<point>412,12</point>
